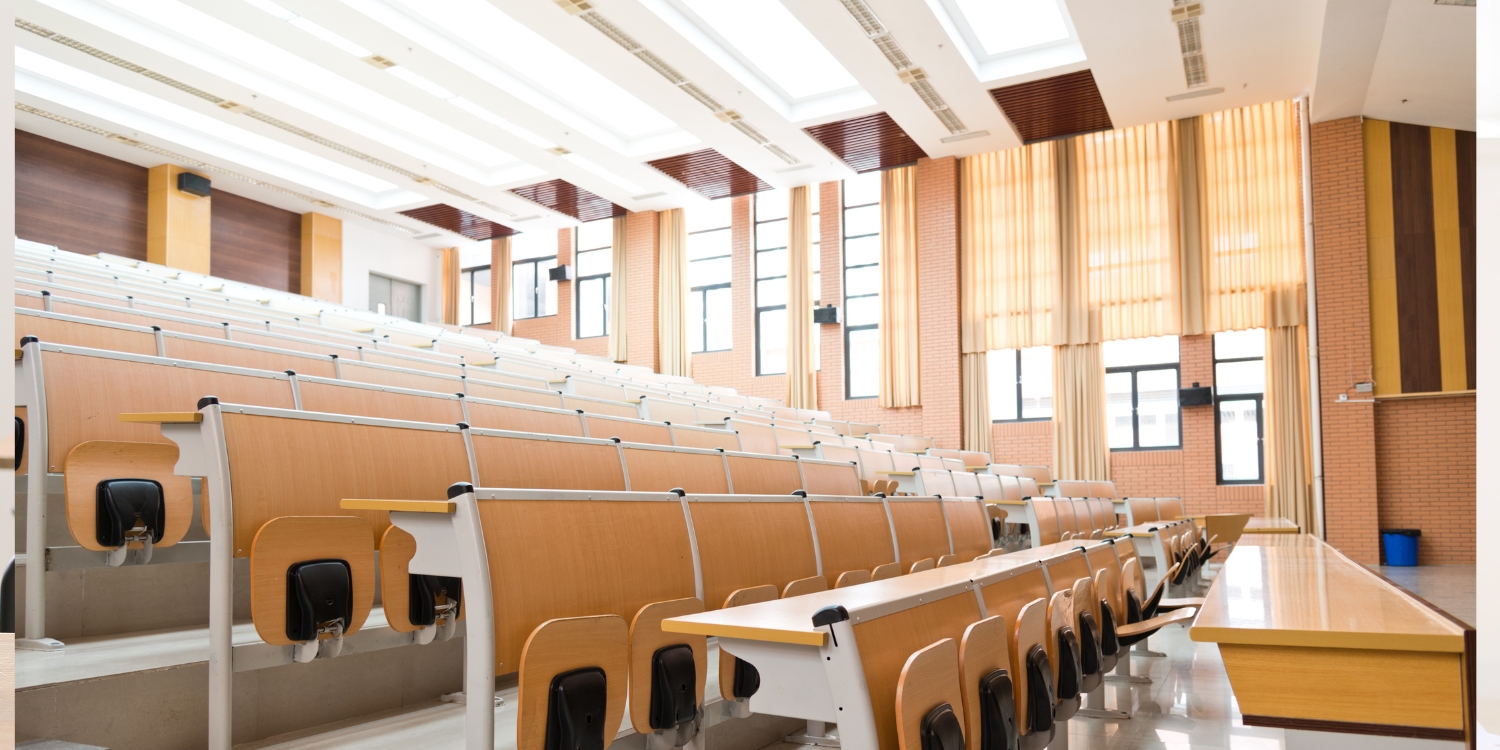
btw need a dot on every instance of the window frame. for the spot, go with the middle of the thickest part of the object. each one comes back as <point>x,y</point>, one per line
<point>1135,404</point>
<point>578,289</point>
<point>755,278</point>
<point>1021,396</point>
<point>702,291</point>
<point>1260,425</point>
<point>845,268</point>
<point>536,290</point>
<point>467,274</point>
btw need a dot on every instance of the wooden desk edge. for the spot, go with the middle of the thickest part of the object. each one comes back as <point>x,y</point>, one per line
<point>405,506</point>
<point>745,632</point>
<point>163,417</point>
<point>896,473</point>
<point>1439,643</point>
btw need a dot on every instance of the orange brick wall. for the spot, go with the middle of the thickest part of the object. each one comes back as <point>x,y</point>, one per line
<point>558,329</point>
<point>1425,452</point>
<point>641,288</point>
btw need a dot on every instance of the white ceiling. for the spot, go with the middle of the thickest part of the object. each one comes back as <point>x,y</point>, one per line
<point>329,127</point>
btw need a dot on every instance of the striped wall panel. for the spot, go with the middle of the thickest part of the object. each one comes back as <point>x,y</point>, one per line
<point>566,198</point>
<point>710,173</point>
<point>459,221</point>
<point>868,143</point>
<point>1420,215</point>
<point>1056,107</point>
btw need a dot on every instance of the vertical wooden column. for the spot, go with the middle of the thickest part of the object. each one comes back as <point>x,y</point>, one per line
<point>178,224</point>
<point>322,257</point>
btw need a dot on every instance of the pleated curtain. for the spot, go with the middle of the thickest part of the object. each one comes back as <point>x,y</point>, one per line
<point>1289,491</point>
<point>975,379</point>
<point>672,293</point>
<point>1080,443</point>
<point>900,320</point>
<point>451,277</point>
<point>801,361</point>
<point>618,346</point>
<point>500,307</point>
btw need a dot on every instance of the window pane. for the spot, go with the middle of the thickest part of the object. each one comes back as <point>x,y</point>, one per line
<point>1240,377</point>
<point>862,251</point>
<point>1118,411</point>
<point>529,245</point>
<point>590,308</point>
<point>772,342</point>
<point>815,228</point>
<point>1002,367</point>
<point>864,363</point>
<point>482,311</point>
<point>770,264</point>
<point>708,244</point>
<point>772,234</point>
<point>770,204</point>
<point>1160,350</point>
<point>711,215</point>
<point>1237,344</point>
<point>720,311</point>
<point>548,303</point>
<point>523,290</point>
<point>695,321</point>
<point>1156,408</point>
<point>858,281</point>
<point>465,306</point>
<point>859,221</point>
<point>862,189</point>
<point>1239,441</point>
<point>863,311</point>
<point>705,272</point>
<point>770,293</point>
<point>1036,382</point>
<point>596,234</point>
<point>594,262</point>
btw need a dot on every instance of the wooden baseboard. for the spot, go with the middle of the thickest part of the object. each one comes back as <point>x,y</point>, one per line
<point>1349,727</point>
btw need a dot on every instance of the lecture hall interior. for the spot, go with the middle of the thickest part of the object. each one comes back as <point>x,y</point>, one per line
<point>749,375</point>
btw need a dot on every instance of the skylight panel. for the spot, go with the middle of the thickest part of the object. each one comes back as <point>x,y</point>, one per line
<point>1003,26</point>
<point>776,44</point>
<point>330,37</point>
<point>405,74</point>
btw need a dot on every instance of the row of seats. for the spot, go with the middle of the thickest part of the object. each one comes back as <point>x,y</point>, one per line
<point>1149,509</point>
<point>1061,519</point>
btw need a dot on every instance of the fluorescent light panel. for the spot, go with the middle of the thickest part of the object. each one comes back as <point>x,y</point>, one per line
<point>775,44</point>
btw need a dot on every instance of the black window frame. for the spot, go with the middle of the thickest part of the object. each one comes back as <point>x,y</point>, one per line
<point>844,278</point>
<point>468,274</point>
<point>1135,404</point>
<point>702,293</point>
<point>1260,425</point>
<point>578,289</point>
<point>1021,397</point>
<point>536,291</point>
<point>755,250</point>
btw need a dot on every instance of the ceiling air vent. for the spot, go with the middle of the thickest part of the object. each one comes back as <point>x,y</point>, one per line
<point>380,62</point>
<point>234,107</point>
<point>574,7</point>
<point>911,75</point>
<point>727,115</point>
<point>559,150</point>
<point>906,70</point>
<point>1190,41</point>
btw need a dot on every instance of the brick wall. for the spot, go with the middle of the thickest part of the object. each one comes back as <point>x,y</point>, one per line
<point>1426,453</point>
<point>641,289</point>
<point>558,329</point>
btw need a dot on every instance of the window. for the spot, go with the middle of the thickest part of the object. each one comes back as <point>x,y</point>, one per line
<point>770,278</point>
<point>592,253</point>
<point>532,294</point>
<point>1239,405</point>
<point>474,297</point>
<point>1020,384</point>
<point>861,197</point>
<point>1140,387</point>
<point>710,301</point>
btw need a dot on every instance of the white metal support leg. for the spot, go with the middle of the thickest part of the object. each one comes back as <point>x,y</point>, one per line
<point>1093,707</point>
<point>1142,650</point>
<point>29,393</point>
<point>1123,674</point>
<point>816,734</point>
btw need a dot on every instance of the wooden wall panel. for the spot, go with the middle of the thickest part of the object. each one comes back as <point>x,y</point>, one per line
<point>1463,144</point>
<point>1054,107</point>
<point>1416,271</point>
<point>79,200</point>
<point>256,243</point>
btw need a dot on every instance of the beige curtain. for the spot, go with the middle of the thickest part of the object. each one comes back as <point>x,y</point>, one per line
<point>617,329</point>
<point>451,277</point>
<point>801,360</point>
<point>1189,134</point>
<point>1082,451</point>
<point>1252,214</point>
<point>500,307</point>
<point>975,377</point>
<point>1289,492</point>
<point>672,294</point>
<point>900,320</point>
<point>1009,248</point>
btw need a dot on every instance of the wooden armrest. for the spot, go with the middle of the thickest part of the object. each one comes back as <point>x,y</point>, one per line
<point>799,447</point>
<point>1156,623</point>
<point>18,354</point>
<point>163,417</point>
<point>405,506</point>
<point>896,473</point>
<point>1170,604</point>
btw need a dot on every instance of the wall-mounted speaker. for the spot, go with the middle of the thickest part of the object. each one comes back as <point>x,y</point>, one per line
<point>827,314</point>
<point>1195,396</point>
<point>194,184</point>
<point>560,273</point>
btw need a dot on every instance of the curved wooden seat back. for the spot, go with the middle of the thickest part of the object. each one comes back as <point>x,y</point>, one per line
<point>1030,630</point>
<point>1047,530</point>
<point>990,487</point>
<point>86,393</point>
<point>396,551</point>
<point>1171,508</point>
<point>563,645</point>
<point>708,438</point>
<point>1029,487</point>
<point>753,474</point>
<point>493,377</point>
<point>830,478</point>
<point>1104,513</point>
<point>285,541</point>
<point>127,315</point>
<point>1102,489</point>
<point>809,585</point>
<point>1143,510</point>
<point>1059,615</point>
<point>410,363</point>
<point>937,482</point>
<point>930,678</point>
<point>920,529</point>
<point>968,526</point>
<point>1085,599</point>
<point>855,577</point>
<point>337,397</point>
<point>1008,596</point>
<point>789,438</point>
<point>1083,515</point>
<point>873,462</point>
<point>514,394</point>
<point>646,638</point>
<point>662,410</point>
<point>965,484</point>
<point>294,465</point>
<point>727,662</point>
<point>1007,470</point>
<point>929,462</point>
<point>1066,569</point>
<point>594,389</point>
<point>577,572</point>
<point>743,543</point>
<point>493,415</point>
<point>886,642</point>
<point>1072,488</point>
<point>235,354</point>
<point>524,460</point>
<point>94,334</point>
<point>853,534</point>
<point>829,450</point>
<point>943,452</point>
<point>974,460</point>
<point>924,564</point>
<point>1134,579</point>
<point>660,469</point>
<point>755,437</point>
<point>982,650</point>
<point>300,343</point>
<point>416,380</point>
<point>603,407</point>
<point>1010,489</point>
<point>94,461</point>
<point>1067,520</point>
<point>1041,474</point>
<point>628,430</point>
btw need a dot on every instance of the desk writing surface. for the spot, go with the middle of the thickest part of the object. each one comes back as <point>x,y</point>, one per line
<point>1296,590</point>
<point>1140,529</point>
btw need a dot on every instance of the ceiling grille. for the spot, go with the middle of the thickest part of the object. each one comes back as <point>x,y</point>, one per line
<point>1185,14</point>
<point>868,143</point>
<point>566,198</point>
<point>459,221</point>
<point>710,173</point>
<point>906,70</point>
<point>1054,107</point>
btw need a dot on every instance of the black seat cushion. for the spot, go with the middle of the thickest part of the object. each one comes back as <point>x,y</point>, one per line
<point>576,705</point>
<point>120,503</point>
<point>941,729</point>
<point>674,686</point>
<point>998,727</point>
<point>318,592</point>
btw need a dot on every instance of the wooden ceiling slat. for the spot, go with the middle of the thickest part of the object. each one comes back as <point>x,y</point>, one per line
<point>566,198</point>
<point>710,173</point>
<point>459,221</point>
<point>868,143</point>
<point>1054,107</point>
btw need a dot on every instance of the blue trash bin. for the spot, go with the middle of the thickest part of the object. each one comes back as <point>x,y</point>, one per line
<point>1400,546</point>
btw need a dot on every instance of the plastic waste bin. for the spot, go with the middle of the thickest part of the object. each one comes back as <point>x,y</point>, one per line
<point>1400,546</point>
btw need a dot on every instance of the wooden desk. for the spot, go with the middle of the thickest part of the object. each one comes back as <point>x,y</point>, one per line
<point>1314,641</point>
<point>1261,525</point>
